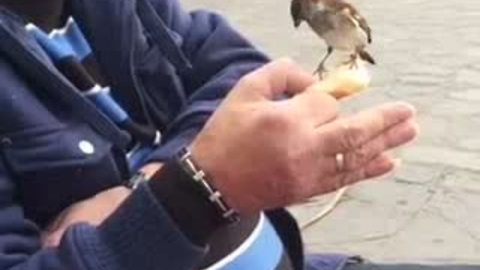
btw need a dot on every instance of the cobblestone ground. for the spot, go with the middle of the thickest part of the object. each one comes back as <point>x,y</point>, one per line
<point>429,54</point>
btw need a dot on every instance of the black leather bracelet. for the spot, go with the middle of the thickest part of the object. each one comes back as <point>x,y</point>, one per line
<point>203,183</point>
<point>195,216</point>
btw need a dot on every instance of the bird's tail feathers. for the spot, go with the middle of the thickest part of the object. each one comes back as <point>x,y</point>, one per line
<point>364,55</point>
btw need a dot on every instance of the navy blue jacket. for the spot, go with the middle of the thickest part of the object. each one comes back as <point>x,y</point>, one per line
<point>167,68</point>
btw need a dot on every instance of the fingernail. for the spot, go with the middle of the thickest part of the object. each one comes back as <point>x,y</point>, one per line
<point>409,130</point>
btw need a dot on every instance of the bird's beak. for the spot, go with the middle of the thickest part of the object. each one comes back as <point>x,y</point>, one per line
<point>295,11</point>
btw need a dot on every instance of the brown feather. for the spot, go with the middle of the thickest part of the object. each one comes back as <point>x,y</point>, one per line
<point>339,5</point>
<point>364,55</point>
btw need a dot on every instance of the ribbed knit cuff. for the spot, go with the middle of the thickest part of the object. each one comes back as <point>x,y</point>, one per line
<point>141,235</point>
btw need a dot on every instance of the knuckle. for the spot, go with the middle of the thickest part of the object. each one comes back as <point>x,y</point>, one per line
<point>324,102</point>
<point>352,137</point>
<point>330,102</point>
<point>248,81</point>
<point>271,119</point>
<point>317,93</point>
<point>358,157</point>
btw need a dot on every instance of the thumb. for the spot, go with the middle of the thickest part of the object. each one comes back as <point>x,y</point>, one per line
<point>279,77</point>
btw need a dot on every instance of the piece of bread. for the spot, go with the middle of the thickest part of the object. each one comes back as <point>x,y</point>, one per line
<point>345,80</point>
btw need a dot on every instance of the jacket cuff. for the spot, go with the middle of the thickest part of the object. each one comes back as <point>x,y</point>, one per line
<point>141,235</point>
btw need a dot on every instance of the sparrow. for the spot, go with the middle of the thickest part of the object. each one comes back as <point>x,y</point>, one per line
<point>337,22</point>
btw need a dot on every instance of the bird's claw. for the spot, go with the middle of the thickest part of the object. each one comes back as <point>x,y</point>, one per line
<point>352,62</point>
<point>320,71</point>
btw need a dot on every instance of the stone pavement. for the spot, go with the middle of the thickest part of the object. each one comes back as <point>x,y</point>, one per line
<point>429,54</point>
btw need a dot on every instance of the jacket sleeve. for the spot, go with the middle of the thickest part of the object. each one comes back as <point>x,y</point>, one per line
<point>139,235</point>
<point>219,55</point>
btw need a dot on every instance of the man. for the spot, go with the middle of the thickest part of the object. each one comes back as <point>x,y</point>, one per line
<point>167,70</point>
<point>268,182</point>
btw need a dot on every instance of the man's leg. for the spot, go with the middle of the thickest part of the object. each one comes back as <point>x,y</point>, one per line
<point>329,261</point>
<point>345,262</point>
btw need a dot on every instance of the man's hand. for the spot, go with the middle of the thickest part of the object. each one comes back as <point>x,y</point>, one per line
<point>263,153</point>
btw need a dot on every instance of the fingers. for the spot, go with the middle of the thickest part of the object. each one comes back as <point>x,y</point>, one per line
<point>345,135</point>
<point>52,235</point>
<point>274,79</point>
<point>378,166</point>
<point>52,239</point>
<point>92,211</point>
<point>392,138</point>
<point>362,155</point>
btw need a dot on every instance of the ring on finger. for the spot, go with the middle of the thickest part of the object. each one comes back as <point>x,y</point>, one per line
<point>340,162</point>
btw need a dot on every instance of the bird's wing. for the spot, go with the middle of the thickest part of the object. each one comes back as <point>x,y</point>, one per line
<point>364,25</point>
<point>343,6</point>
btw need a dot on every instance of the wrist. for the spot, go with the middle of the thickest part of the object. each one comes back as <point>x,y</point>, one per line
<point>219,174</point>
<point>150,169</point>
<point>195,216</point>
<point>203,183</point>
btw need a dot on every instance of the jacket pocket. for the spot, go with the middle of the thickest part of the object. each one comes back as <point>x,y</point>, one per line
<point>162,86</point>
<point>57,165</point>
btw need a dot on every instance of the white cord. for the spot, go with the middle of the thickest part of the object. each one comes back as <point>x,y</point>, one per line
<point>326,210</point>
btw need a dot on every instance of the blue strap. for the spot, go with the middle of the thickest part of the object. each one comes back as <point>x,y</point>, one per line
<point>136,157</point>
<point>55,49</point>
<point>48,80</point>
<point>77,40</point>
<point>107,105</point>
<point>59,46</point>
